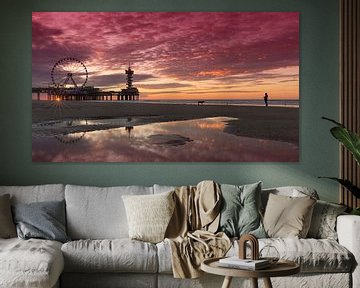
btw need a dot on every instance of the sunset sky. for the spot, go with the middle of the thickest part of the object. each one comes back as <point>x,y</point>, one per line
<point>197,55</point>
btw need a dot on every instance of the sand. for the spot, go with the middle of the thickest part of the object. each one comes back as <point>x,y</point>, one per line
<point>272,123</point>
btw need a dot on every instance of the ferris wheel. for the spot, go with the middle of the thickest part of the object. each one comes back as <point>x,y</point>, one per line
<point>69,72</point>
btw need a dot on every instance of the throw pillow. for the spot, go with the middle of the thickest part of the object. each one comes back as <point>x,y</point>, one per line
<point>287,217</point>
<point>7,227</point>
<point>44,220</point>
<point>240,213</point>
<point>323,222</point>
<point>291,191</point>
<point>149,215</point>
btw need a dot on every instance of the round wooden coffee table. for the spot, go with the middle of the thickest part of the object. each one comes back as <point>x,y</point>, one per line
<point>281,268</point>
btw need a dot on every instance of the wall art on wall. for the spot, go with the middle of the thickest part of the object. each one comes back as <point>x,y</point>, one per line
<point>165,87</point>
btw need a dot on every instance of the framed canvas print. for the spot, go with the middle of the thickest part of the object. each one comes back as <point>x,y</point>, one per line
<point>165,87</point>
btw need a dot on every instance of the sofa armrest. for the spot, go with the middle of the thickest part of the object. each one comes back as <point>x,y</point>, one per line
<point>348,230</point>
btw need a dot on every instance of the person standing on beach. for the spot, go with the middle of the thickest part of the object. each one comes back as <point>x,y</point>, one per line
<point>266,96</point>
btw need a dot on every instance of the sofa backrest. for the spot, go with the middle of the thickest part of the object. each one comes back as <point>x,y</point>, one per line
<point>163,188</point>
<point>36,193</point>
<point>98,212</point>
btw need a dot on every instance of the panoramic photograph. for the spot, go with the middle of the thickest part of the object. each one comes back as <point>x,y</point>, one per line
<point>165,86</point>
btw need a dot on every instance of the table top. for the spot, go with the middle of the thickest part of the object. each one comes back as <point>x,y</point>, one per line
<point>281,268</point>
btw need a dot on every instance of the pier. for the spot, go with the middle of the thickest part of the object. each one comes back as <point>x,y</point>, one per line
<point>65,92</point>
<point>82,94</point>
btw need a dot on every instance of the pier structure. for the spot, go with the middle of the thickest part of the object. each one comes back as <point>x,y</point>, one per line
<point>130,93</point>
<point>87,93</point>
<point>62,91</point>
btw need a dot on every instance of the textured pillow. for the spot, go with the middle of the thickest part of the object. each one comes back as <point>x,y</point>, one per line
<point>44,220</point>
<point>323,222</point>
<point>288,217</point>
<point>240,210</point>
<point>7,227</point>
<point>149,215</point>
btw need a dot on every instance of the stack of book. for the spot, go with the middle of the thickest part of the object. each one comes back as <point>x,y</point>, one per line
<point>248,264</point>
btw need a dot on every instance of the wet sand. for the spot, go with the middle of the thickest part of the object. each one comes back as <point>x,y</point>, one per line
<point>272,123</point>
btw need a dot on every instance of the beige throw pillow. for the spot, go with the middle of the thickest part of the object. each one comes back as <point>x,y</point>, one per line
<point>288,217</point>
<point>149,215</point>
<point>7,226</point>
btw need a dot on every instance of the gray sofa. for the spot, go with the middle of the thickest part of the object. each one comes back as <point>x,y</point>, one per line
<point>101,254</point>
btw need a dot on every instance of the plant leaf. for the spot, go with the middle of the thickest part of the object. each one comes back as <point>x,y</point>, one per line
<point>347,184</point>
<point>355,211</point>
<point>349,139</point>
<point>333,121</point>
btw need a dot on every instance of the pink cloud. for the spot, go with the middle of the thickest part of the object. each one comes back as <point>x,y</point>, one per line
<point>182,46</point>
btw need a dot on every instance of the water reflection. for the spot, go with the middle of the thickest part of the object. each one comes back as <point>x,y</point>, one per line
<point>201,140</point>
<point>129,126</point>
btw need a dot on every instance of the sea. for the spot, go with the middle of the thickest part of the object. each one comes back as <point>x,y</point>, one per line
<point>238,102</point>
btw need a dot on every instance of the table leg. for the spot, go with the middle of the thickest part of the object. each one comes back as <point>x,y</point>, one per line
<point>227,282</point>
<point>254,282</point>
<point>267,283</point>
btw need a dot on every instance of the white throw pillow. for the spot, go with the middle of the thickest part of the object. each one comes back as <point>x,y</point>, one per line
<point>149,215</point>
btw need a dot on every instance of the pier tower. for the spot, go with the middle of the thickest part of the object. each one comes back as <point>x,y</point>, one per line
<point>130,93</point>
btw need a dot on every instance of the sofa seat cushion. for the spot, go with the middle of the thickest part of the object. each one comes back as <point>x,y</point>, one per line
<point>313,255</point>
<point>30,263</point>
<point>115,255</point>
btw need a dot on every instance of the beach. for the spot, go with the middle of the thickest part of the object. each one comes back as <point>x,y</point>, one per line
<point>271,123</point>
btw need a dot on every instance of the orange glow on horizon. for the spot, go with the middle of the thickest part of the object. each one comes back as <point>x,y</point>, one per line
<point>280,83</point>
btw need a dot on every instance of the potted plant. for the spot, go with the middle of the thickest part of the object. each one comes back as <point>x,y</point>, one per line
<point>351,141</point>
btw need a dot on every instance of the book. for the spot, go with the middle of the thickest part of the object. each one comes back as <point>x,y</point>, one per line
<point>248,264</point>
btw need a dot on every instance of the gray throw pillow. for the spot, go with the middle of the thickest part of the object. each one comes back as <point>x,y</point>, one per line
<point>44,220</point>
<point>323,222</point>
<point>7,227</point>
<point>240,213</point>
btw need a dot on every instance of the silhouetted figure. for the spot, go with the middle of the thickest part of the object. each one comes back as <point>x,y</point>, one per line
<point>266,96</point>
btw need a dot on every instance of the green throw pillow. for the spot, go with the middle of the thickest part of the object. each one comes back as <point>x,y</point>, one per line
<point>240,213</point>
